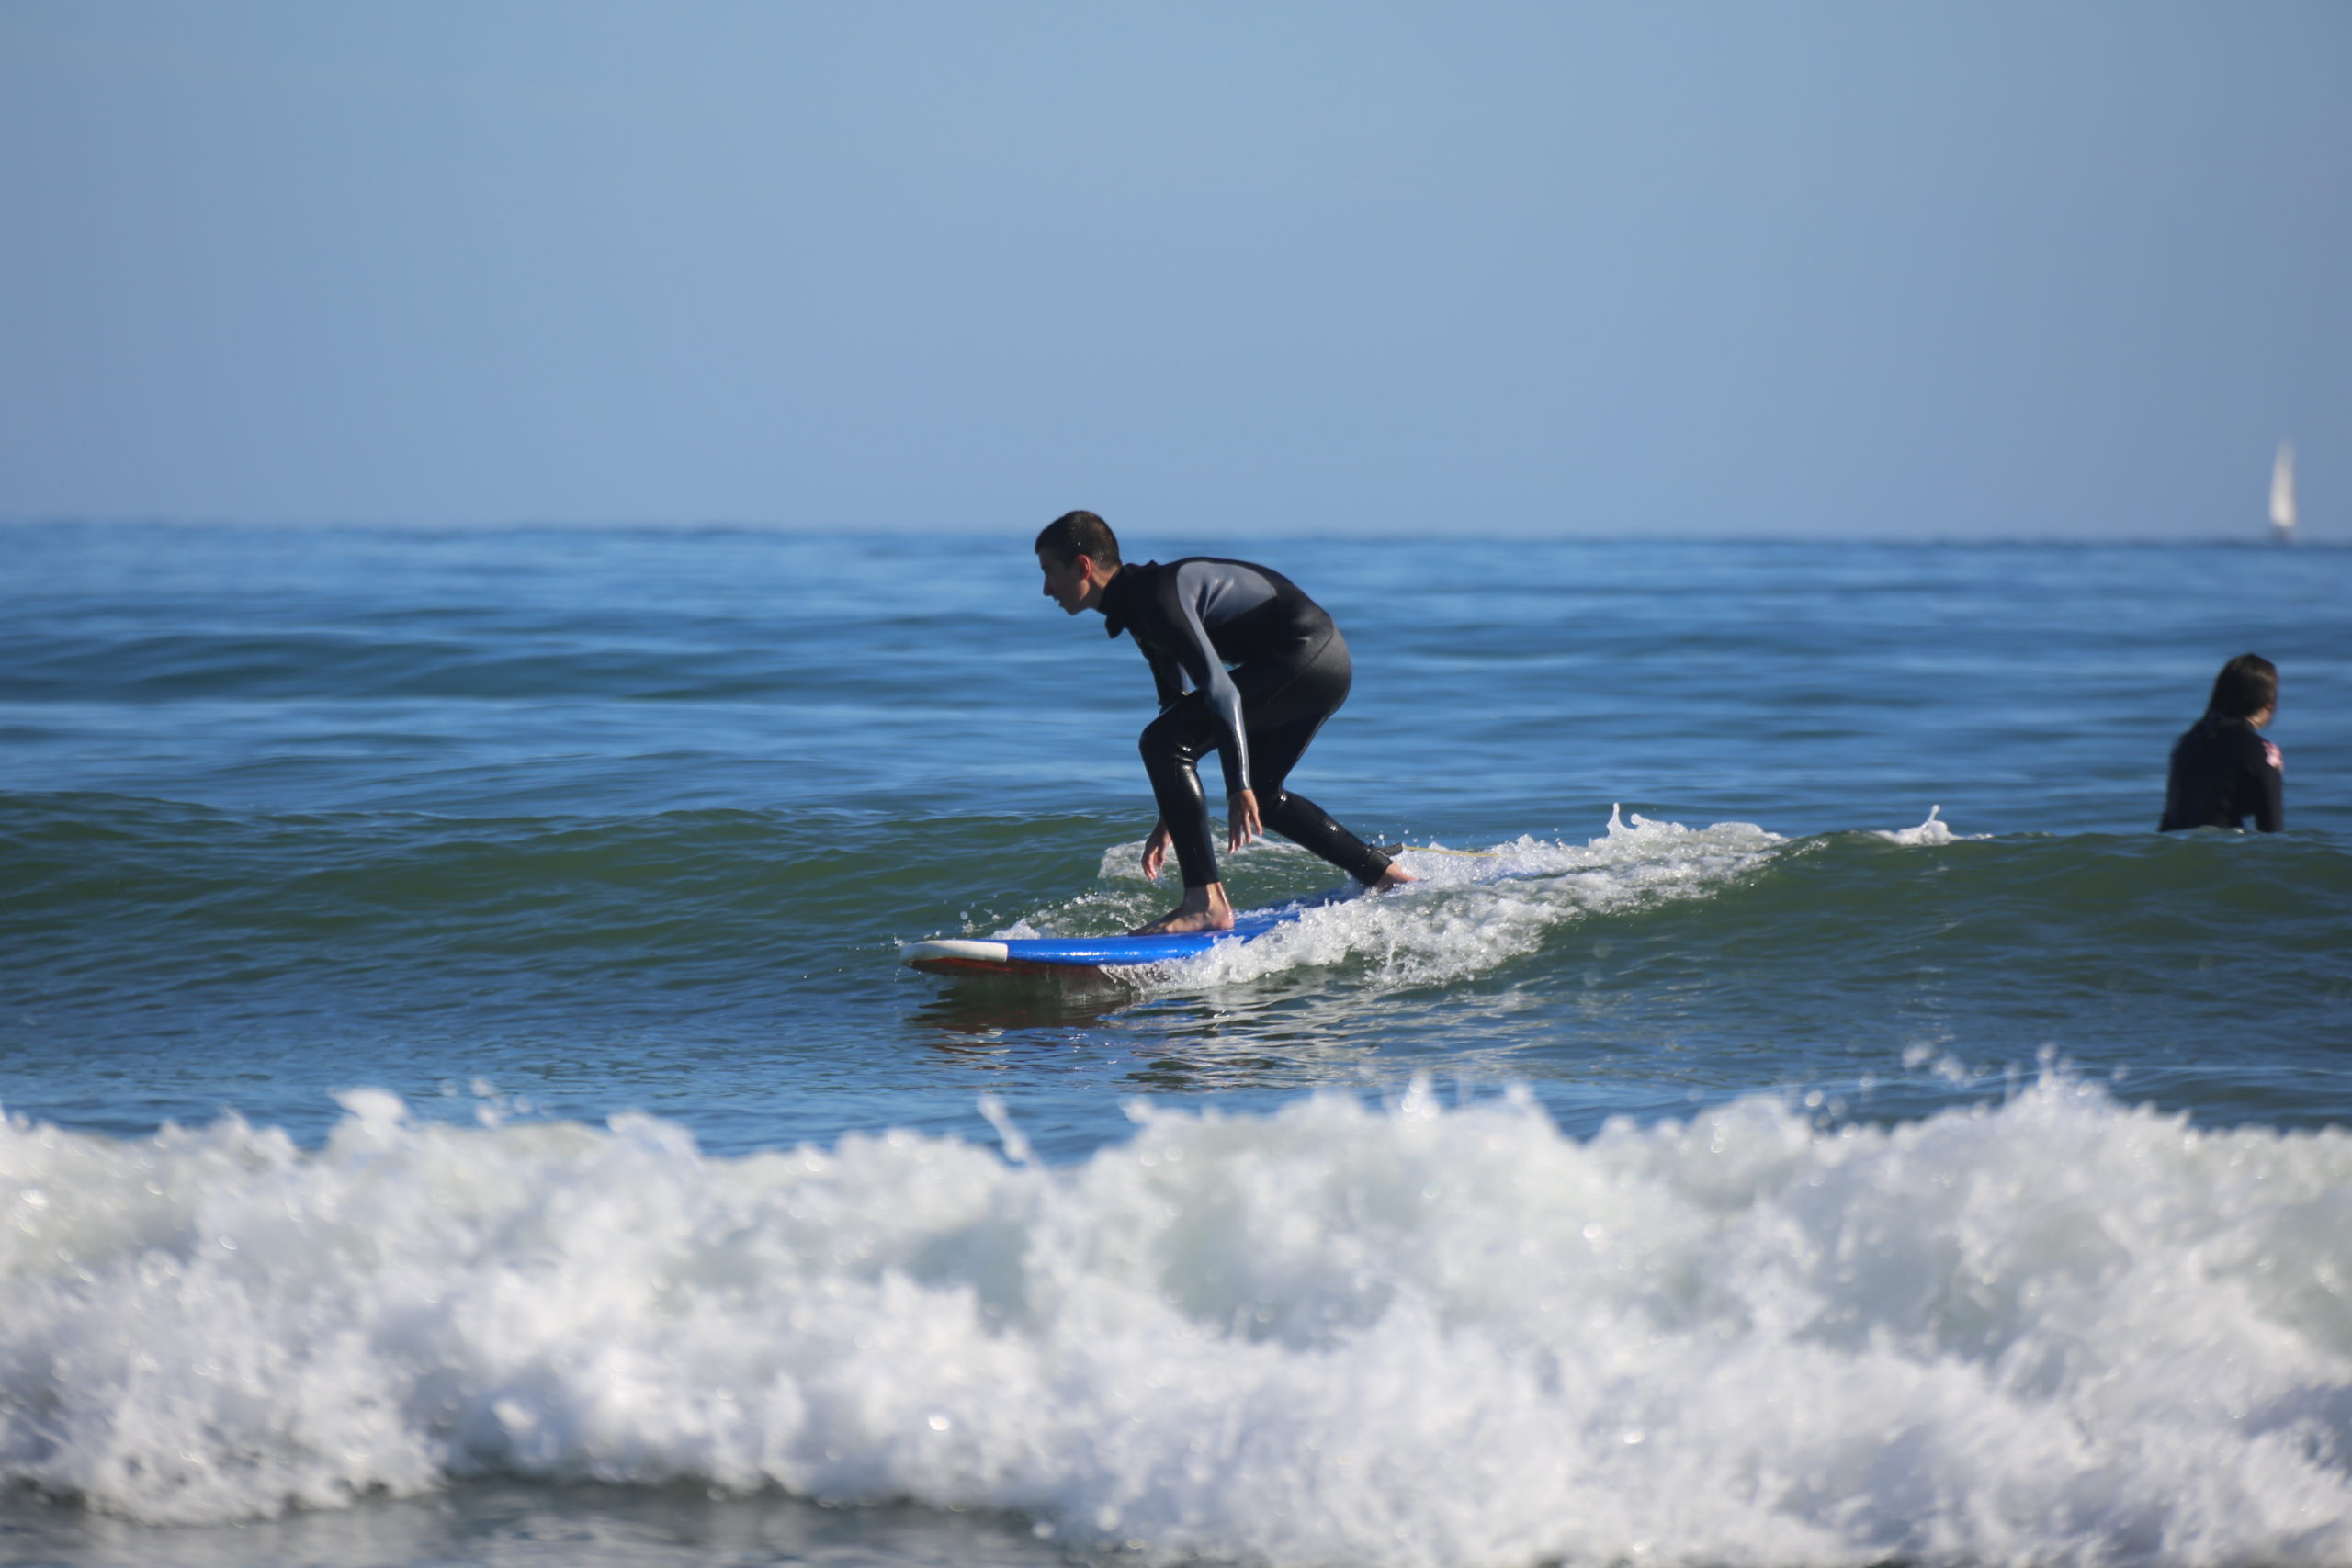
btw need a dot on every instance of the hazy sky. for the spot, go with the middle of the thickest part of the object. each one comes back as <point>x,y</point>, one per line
<point>1925,270</point>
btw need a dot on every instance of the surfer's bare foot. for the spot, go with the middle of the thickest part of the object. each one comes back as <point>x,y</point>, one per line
<point>1395,876</point>
<point>1204,909</point>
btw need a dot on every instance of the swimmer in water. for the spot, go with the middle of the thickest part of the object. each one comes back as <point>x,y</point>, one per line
<point>1289,672</point>
<point>2222,771</point>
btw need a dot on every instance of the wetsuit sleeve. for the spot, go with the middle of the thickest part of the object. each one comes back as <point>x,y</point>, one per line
<point>1165,678</point>
<point>2269,790</point>
<point>2171,821</point>
<point>1198,656</point>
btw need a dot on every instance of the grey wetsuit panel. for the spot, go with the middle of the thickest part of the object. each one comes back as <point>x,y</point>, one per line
<point>1213,594</point>
<point>1196,616</point>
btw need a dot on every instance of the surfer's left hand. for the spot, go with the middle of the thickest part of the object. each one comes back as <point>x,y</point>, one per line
<point>1242,821</point>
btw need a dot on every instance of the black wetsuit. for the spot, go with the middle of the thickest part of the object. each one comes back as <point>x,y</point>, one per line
<point>1290,672</point>
<point>2223,772</point>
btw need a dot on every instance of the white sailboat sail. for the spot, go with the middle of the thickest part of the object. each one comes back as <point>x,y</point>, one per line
<point>2282,491</point>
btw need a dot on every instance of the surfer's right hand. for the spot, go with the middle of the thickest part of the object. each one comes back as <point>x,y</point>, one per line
<point>1155,852</point>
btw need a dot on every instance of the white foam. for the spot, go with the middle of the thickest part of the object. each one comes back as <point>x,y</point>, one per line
<point>1469,912</point>
<point>2058,1332</point>
<point>1933,832</point>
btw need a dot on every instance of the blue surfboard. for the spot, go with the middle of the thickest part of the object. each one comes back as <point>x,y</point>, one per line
<point>1048,955</point>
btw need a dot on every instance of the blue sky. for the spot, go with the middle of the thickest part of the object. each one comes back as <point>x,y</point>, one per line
<point>1924,271</point>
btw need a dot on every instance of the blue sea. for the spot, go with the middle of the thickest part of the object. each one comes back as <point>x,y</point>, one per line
<point>464,1104</point>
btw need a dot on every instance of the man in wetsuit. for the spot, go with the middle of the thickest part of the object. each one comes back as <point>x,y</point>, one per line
<point>2223,772</point>
<point>1289,672</point>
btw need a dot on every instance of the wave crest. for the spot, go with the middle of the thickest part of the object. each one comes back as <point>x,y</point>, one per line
<point>2060,1330</point>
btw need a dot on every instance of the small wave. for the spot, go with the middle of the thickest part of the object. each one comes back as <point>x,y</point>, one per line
<point>2060,1330</point>
<point>1469,912</point>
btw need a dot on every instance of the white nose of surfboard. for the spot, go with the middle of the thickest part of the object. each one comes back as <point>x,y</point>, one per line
<point>951,951</point>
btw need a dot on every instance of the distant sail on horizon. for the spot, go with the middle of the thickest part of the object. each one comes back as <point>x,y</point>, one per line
<point>2282,494</point>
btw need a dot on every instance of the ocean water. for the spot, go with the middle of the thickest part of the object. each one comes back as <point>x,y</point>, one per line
<point>463,1104</point>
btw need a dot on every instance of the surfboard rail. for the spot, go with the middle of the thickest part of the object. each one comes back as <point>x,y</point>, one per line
<point>1063,956</point>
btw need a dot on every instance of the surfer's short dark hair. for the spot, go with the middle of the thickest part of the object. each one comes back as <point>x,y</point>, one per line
<point>1076,534</point>
<point>2246,685</point>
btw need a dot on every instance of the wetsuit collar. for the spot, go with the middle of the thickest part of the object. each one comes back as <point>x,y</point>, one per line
<point>1116,594</point>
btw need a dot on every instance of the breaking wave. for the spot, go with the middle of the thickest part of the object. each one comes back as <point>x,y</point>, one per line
<point>2059,1330</point>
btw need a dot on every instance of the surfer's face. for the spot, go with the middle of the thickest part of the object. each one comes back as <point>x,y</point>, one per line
<point>1070,584</point>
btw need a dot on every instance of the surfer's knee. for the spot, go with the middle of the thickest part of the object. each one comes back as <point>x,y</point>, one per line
<point>1162,740</point>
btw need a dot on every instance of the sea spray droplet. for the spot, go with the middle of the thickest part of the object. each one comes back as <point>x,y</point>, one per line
<point>375,1107</point>
<point>1016,1147</point>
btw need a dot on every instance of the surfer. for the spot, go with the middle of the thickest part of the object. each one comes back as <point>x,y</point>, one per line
<point>1289,672</point>
<point>2223,772</point>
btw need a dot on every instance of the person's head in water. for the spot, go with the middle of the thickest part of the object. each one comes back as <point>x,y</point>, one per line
<point>1079,554</point>
<point>2246,688</point>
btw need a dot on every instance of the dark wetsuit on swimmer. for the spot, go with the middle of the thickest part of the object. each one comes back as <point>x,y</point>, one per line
<point>1291,672</point>
<point>2222,773</point>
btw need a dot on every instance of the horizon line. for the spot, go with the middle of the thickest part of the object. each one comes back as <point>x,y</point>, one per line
<point>2253,539</point>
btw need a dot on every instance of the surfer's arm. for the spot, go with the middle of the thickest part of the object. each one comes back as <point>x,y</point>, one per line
<point>1166,678</point>
<point>2270,791</point>
<point>1224,700</point>
<point>1199,657</point>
